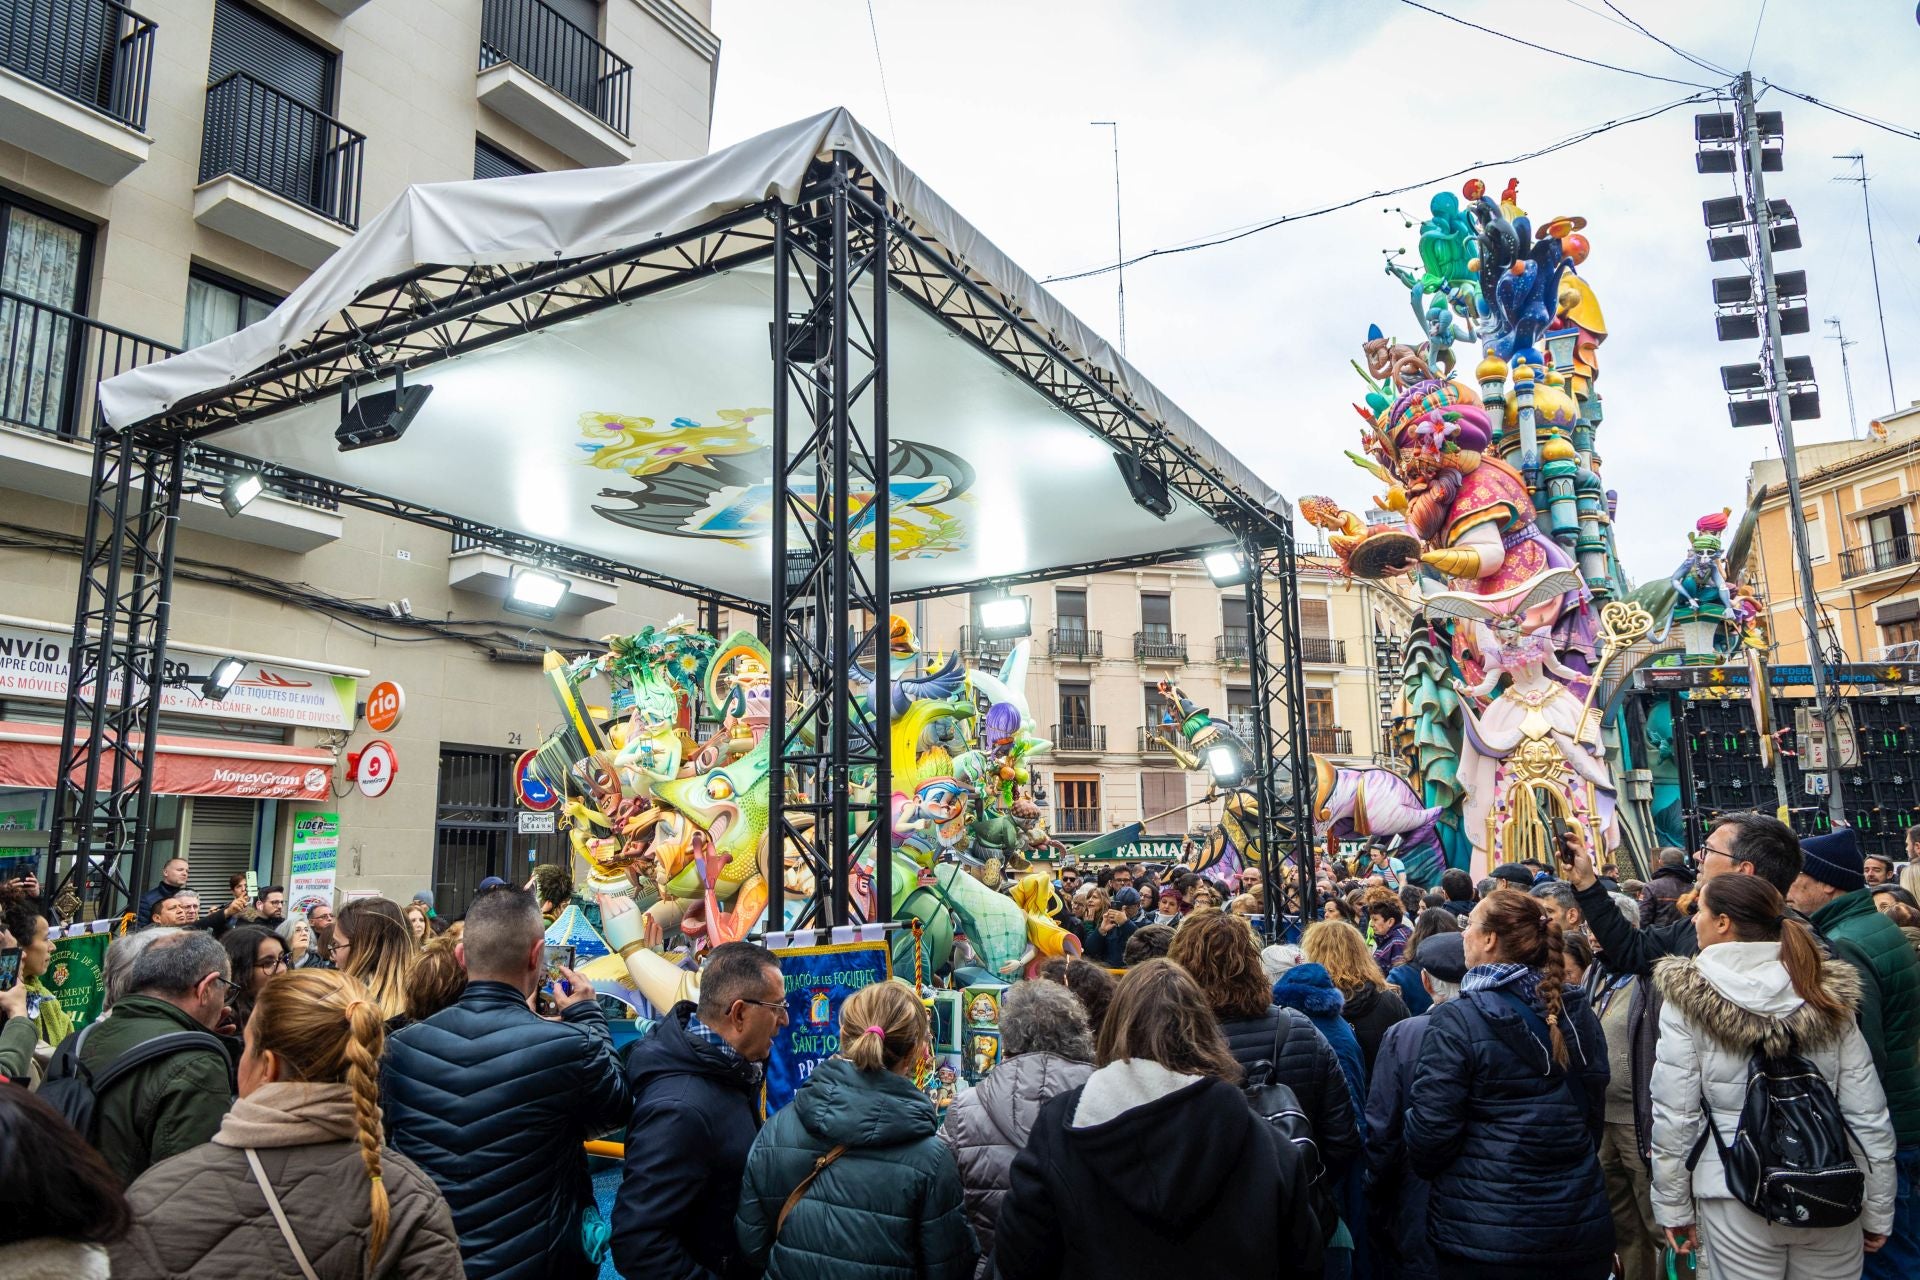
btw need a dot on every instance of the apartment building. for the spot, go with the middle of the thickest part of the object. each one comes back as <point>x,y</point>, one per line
<point>1103,642</point>
<point>169,170</point>
<point>1858,498</point>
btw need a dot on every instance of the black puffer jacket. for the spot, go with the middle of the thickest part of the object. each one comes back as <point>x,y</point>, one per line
<point>493,1102</point>
<point>1509,1140</point>
<point>699,1109</point>
<point>1308,1066</point>
<point>1370,1011</point>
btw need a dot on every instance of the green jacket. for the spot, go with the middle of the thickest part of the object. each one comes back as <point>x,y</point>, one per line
<point>890,1208</point>
<point>1889,1000</point>
<point>167,1106</point>
<point>17,1039</point>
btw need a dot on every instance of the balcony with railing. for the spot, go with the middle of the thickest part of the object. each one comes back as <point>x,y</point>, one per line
<point>1233,648</point>
<point>1076,822</point>
<point>1322,650</point>
<point>1152,742</point>
<point>52,361</point>
<point>74,82</point>
<point>975,645</point>
<point>555,80</point>
<point>1087,739</point>
<point>1877,557</point>
<point>276,173</point>
<point>1155,645</point>
<point>1330,742</point>
<point>1074,644</point>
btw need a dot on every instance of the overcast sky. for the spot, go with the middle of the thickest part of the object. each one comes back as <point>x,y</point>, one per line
<point>1232,113</point>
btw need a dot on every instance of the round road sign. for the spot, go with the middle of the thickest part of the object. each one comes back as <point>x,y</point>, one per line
<point>533,793</point>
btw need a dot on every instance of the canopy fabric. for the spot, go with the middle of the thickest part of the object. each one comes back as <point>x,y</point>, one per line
<point>586,211</point>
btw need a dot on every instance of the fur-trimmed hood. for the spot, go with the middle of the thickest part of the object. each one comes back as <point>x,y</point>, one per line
<point>1739,996</point>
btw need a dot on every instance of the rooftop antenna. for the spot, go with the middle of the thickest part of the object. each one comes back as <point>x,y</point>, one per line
<point>1119,242</point>
<point>1886,353</point>
<point>1846,372</point>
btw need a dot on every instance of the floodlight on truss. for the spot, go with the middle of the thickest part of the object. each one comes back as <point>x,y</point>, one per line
<point>239,490</point>
<point>1006,617</point>
<point>535,592</point>
<point>1225,765</point>
<point>1227,567</point>
<point>219,681</point>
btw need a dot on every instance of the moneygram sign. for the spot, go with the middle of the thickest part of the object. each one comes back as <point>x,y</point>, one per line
<point>34,665</point>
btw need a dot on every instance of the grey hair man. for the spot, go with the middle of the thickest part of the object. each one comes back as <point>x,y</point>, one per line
<point>1046,1049</point>
<point>1443,964</point>
<point>1561,904</point>
<point>176,982</point>
<point>695,1080</point>
<point>117,970</point>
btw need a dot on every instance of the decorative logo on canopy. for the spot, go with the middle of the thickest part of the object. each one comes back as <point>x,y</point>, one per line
<point>700,480</point>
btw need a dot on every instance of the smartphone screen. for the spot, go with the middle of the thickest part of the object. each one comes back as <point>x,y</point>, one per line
<point>555,957</point>
<point>9,968</point>
<point>253,885</point>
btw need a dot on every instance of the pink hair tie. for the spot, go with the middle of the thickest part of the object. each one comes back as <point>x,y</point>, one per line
<point>877,1031</point>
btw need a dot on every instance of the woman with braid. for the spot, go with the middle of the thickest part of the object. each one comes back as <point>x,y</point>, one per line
<point>297,1181</point>
<point>1505,1113</point>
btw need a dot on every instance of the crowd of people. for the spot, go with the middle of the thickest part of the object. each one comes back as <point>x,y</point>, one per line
<point>1554,1071</point>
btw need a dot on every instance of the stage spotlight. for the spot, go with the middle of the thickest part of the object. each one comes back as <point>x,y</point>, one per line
<point>219,681</point>
<point>535,593</point>
<point>1223,762</point>
<point>381,417</point>
<point>1006,617</point>
<point>1146,485</point>
<point>239,490</point>
<point>1226,567</point>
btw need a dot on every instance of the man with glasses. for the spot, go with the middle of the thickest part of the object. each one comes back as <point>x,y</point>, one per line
<point>170,1103</point>
<point>1750,844</point>
<point>320,951</point>
<point>695,1080</point>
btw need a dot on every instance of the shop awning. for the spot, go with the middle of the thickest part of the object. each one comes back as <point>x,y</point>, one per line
<point>183,766</point>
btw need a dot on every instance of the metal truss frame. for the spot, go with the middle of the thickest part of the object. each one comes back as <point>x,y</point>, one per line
<point>1282,776</point>
<point>830,601</point>
<point>117,667</point>
<point>848,250</point>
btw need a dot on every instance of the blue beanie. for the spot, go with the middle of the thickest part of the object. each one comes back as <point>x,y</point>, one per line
<point>1834,859</point>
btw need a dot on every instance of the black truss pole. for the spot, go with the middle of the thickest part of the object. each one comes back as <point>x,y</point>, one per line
<point>829,608</point>
<point>1282,775</point>
<point>117,664</point>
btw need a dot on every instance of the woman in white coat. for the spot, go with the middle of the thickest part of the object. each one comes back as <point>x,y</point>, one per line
<point>1759,980</point>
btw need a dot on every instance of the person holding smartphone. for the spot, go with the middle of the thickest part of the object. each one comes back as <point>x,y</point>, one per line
<point>17,1034</point>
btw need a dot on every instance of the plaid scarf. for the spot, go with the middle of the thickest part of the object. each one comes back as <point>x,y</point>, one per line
<point>700,1031</point>
<point>1523,979</point>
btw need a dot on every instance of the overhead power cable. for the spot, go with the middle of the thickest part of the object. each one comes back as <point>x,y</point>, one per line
<point>1897,130</point>
<point>1668,45</point>
<point>1241,234</point>
<point>1558,53</point>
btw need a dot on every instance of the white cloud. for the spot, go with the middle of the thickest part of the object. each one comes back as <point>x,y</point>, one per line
<point>1234,112</point>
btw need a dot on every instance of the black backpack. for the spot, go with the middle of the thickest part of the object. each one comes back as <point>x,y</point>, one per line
<point>74,1090</point>
<point>1277,1104</point>
<point>1789,1160</point>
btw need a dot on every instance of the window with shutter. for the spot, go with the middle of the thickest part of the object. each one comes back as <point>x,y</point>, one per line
<point>1314,620</point>
<point>1159,792</point>
<point>244,39</point>
<point>221,836</point>
<point>490,161</point>
<point>584,14</point>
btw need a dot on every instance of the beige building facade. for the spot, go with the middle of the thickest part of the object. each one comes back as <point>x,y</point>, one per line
<point>1103,642</point>
<point>168,171</point>
<point>1861,502</point>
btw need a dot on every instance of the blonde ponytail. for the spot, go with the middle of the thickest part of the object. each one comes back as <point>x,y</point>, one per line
<point>325,1028</point>
<point>882,1026</point>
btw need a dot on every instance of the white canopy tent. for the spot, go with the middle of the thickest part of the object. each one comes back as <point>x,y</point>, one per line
<point>638,435</point>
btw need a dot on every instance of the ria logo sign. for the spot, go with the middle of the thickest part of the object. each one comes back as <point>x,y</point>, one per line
<point>385,702</point>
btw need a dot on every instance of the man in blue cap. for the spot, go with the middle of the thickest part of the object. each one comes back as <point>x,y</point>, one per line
<point>1832,892</point>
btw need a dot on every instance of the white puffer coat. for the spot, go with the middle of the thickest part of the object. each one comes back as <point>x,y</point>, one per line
<point>1722,1005</point>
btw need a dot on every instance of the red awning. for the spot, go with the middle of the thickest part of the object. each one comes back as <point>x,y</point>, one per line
<point>182,766</point>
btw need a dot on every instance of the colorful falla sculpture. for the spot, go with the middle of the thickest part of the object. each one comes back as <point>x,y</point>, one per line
<point>1493,499</point>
